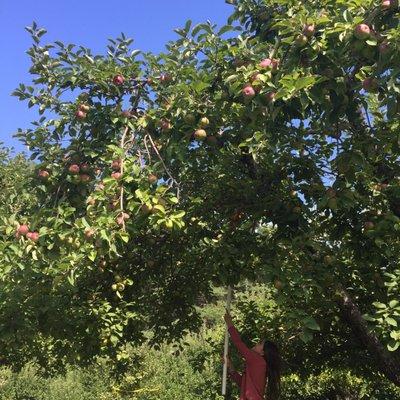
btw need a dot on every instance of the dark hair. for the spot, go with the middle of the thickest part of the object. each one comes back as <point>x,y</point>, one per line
<point>273,359</point>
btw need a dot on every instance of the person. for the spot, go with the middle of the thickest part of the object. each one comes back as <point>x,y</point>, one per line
<point>262,372</point>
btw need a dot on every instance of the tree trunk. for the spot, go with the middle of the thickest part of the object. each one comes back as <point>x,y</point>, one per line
<point>386,363</point>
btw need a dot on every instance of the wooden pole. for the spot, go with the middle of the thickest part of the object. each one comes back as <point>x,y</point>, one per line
<point>226,344</point>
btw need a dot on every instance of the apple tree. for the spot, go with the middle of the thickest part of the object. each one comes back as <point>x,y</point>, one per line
<point>265,150</point>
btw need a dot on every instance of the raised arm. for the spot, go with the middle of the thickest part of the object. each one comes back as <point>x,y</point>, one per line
<point>236,339</point>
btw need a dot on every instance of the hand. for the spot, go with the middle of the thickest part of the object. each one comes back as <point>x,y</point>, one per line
<point>228,319</point>
<point>227,361</point>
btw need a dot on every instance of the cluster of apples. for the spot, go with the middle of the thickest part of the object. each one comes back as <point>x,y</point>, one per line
<point>119,285</point>
<point>364,32</point>
<point>116,167</point>
<point>332,203</point>
<point>82,111</point>
<point>254,86</point>
<point>307,32</point>
<point>23,230</point>
<point>200,133</point>
<point>81,170</point>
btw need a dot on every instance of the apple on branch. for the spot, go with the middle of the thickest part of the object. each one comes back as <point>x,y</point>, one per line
<point>200,134</point>
<point>118,80</point>
<point>116,175</point>
<point>248,91</point>
<point>22,230</point>
<point>43,174</point>
<point>34,236</point>
<point>74,169</point>
<point>308,30</point>
<point>152,179</point>
<point>362,31</point>
<point>80,114</point>
<point>204,122</point>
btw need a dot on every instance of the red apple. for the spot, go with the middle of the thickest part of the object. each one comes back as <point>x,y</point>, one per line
<point>266,63</point>
<point>370,84</point>
<point>248,92</point>
<point>152,179</point>
<point>23,230</point>
<point>84,167</point>
<point>165,78</point>
<point>270,97</point>
<point>34,236</point>
<point>116,175</point>
<point>43,174</point>
<point>85,178</point>
<point>116,165</point>
<point>386,4</point>
<point>118,80</point>
<point>74,169</point>
<point>309,30</point>
<point>200,134</point>
<point>362,31</point>
<point>80,114</point>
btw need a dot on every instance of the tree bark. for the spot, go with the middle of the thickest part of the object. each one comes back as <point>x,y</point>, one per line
<point>350,314</point>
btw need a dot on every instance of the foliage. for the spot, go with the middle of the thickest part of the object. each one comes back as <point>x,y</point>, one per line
<point>165,174</point>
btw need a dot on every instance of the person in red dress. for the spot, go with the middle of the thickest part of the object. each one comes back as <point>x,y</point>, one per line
<point>262,372</point>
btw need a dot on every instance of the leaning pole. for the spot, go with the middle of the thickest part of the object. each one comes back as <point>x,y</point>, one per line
<point>226,344</point>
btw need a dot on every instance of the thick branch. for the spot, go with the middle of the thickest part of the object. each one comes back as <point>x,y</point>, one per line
<point>351,315</point>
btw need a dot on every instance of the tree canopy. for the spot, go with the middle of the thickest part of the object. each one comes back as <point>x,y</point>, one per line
<point>266,149</point>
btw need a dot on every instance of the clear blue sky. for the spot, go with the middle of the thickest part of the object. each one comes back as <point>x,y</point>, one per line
<point>89,23</point>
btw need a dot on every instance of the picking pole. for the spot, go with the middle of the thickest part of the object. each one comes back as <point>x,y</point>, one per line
<point>226,344</point>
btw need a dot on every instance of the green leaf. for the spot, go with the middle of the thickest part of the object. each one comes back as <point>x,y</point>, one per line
<point>393,346</point>
<point>391,321</point>
<point>312,324</point>
<point>92,255</point>
<point>306,336</point>
<point>225,29</point>
<point>393,303</point>
<point>377,304</point>
<point>124,236</point>
<point>304,82</point>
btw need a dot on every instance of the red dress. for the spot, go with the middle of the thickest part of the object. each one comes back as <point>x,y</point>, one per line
<point>252,381</point>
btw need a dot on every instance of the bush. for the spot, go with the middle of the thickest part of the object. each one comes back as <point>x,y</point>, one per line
<point>75,384</point>
<point>337,385</point>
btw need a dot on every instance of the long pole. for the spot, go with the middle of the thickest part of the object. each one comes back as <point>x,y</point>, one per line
<point>226,344</point>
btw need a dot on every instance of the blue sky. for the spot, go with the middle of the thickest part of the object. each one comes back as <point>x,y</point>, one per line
<point>88,23</point>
